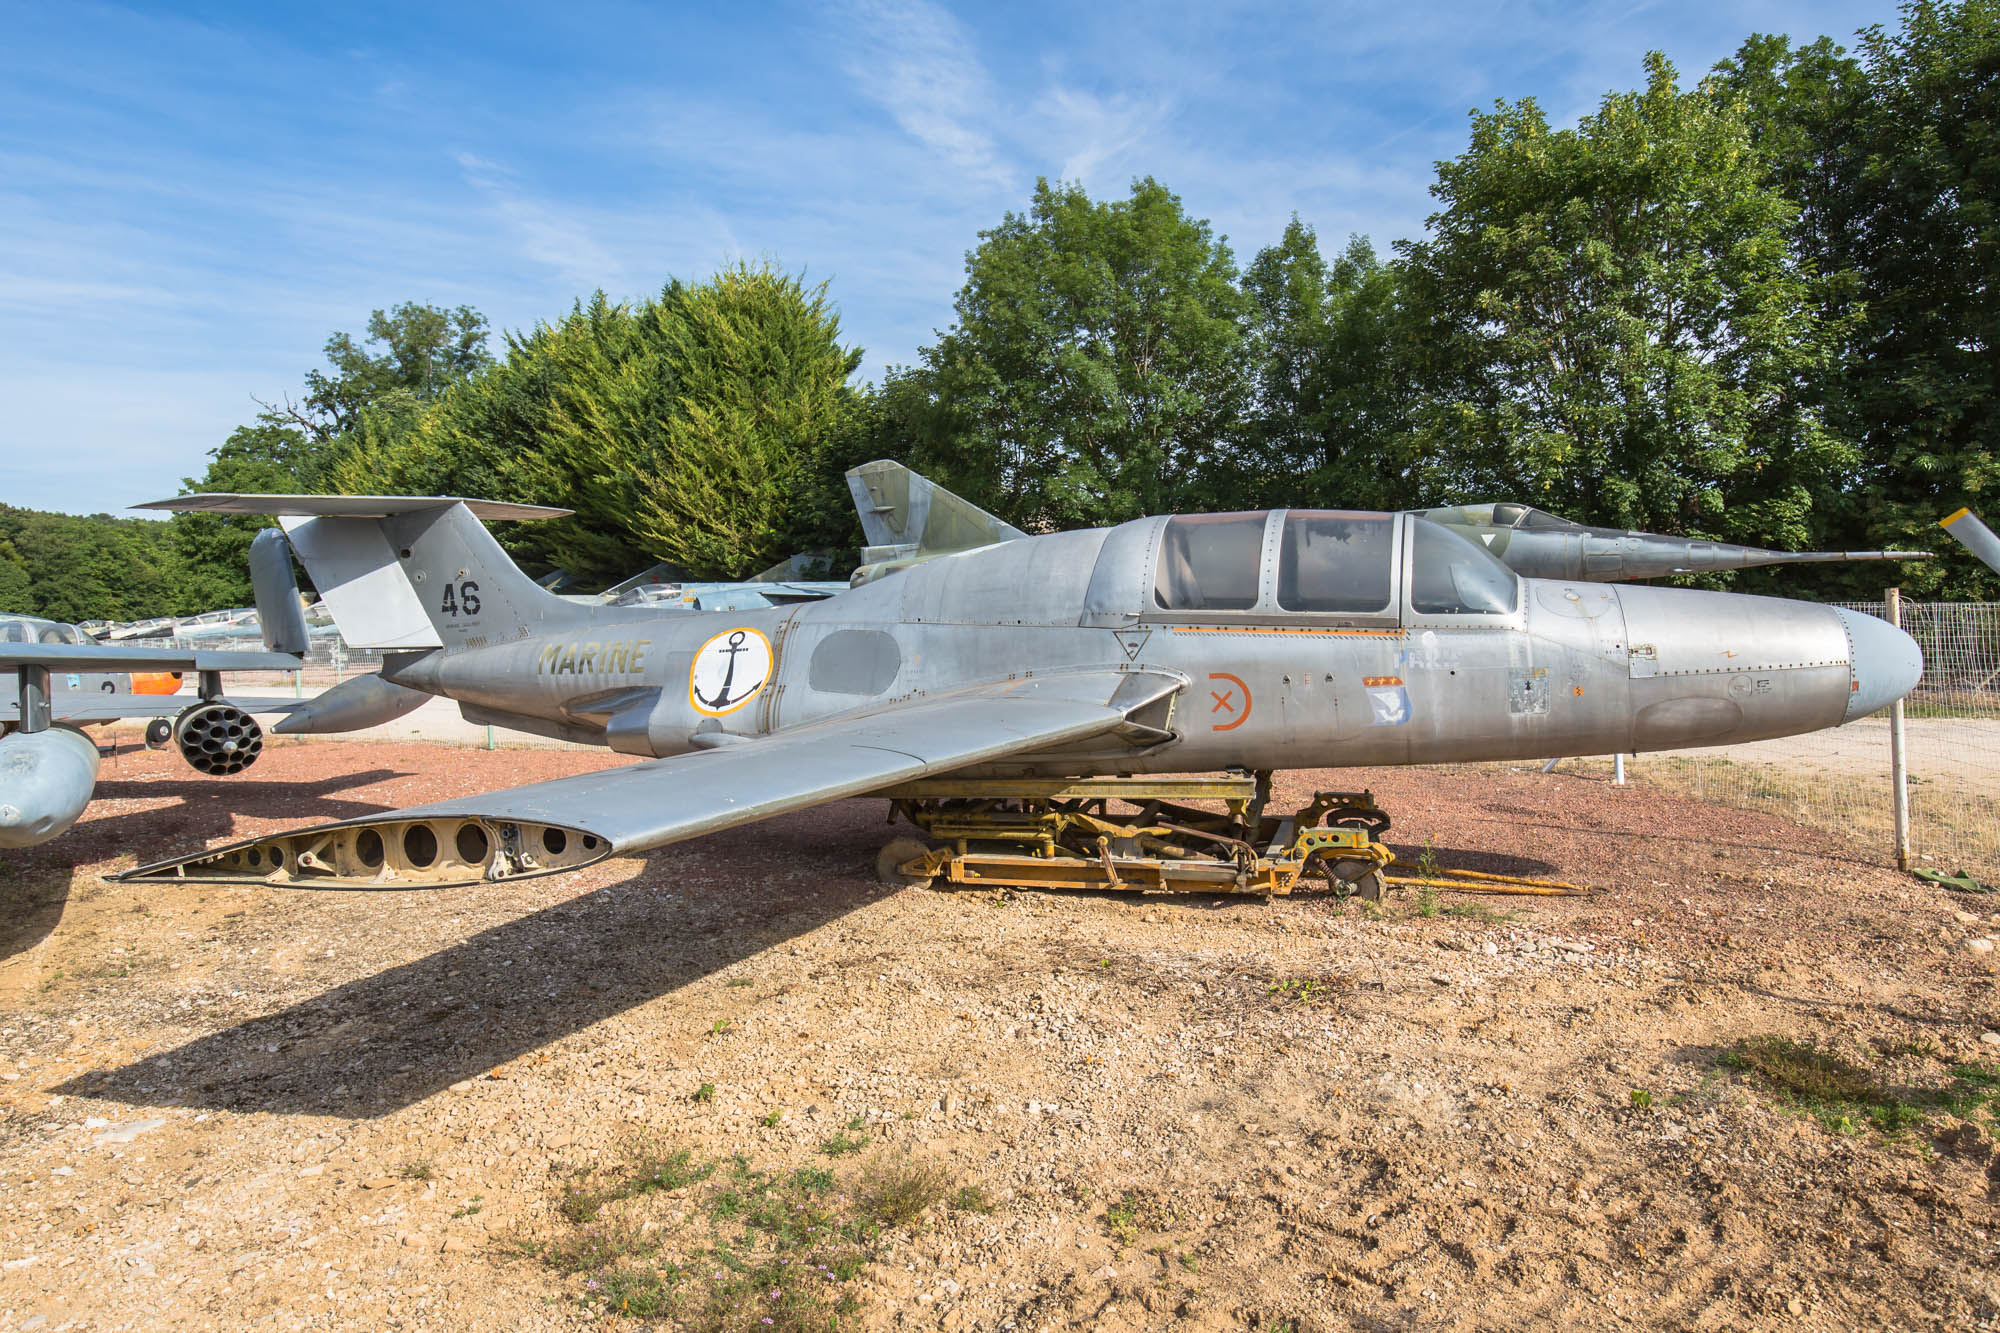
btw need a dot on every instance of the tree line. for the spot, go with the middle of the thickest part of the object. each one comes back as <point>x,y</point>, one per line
<point>1758,308</point>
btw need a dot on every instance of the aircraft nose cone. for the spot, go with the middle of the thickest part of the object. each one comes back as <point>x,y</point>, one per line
<point>1886,663</point>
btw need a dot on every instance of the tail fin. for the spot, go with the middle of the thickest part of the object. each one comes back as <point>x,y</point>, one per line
<point>905,516</point>
<point>407,572</point>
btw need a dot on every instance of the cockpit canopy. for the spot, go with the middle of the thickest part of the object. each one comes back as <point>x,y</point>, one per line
<point>33,629</point>
<point>1326,562</point>
<point>1503,514</point>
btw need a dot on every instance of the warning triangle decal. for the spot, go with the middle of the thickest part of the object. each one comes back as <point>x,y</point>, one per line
<point>1132,640</point>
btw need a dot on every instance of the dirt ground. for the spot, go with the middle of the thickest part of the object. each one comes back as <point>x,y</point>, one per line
<point>250,1108</point>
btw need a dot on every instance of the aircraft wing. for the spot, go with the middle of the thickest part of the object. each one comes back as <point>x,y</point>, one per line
<point>112,707</point>
<point>134,657</point>
<point>573,822</point>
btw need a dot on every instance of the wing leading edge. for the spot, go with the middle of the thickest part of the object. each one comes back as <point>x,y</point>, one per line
<point>572,822</point>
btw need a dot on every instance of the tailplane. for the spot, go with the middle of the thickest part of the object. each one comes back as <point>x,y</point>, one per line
<point>407,572</point>
<point>908,518</point>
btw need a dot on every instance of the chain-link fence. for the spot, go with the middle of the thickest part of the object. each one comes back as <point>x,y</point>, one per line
<point>1840,779</point>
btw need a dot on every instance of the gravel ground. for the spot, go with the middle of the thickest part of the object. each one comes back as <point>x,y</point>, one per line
<point>213,1101</point>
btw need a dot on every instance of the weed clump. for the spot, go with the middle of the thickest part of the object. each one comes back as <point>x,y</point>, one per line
<point>897,1194</point>
<point>753,1250</point>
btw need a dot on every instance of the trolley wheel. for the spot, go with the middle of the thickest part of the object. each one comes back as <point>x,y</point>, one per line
<point>1355,879</point>
<point>889,862</point>
<point>158,732</point>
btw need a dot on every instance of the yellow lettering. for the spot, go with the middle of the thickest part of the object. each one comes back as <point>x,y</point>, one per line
<point>568,662</point>
<point>587,659</point>
<point>639,654</point>
<point>550,652</point>
<point>615,659</point>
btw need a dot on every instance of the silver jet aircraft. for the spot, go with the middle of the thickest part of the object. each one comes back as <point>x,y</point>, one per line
<point>1285,639</point>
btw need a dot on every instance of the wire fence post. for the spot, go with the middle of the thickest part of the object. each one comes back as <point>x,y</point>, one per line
<point>1899,769</point>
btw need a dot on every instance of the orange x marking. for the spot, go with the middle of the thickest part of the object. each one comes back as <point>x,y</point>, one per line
<point>1225,701</point>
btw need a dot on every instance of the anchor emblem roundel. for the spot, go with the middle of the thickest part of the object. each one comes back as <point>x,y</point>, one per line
<point>729,671</point>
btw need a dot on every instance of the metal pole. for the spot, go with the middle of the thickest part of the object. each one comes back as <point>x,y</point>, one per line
<point>1618,770</point>
<point>1899,765</point>
<point>489,737</point>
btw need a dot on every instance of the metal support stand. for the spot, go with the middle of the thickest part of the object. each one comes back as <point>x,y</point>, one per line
<point>1899,768</point>
<point>1618,770</point>
<point>34,698</point>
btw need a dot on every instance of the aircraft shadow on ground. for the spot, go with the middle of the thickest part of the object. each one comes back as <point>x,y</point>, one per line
<point>382,1042</point>
<point>208,807</point>
<point>35,881</point>
<point>1410,855</point>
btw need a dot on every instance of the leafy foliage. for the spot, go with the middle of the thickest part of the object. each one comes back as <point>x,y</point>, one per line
<point>1096,366</point>
<point>1616,328</point>
<point>708,427</point>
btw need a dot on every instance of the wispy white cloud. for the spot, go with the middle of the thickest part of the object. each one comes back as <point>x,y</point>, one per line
<point>916,60</point>
<point>548,233</point>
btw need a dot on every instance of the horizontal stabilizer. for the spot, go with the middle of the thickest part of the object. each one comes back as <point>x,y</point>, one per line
<point>346,506</point>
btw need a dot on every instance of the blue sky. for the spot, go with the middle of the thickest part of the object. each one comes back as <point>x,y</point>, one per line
<point>193,197</point>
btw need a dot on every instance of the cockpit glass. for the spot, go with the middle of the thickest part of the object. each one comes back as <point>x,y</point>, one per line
<point>1455,576</point>
<point>1539,518</point>
<point>1210,562</point>
<point>1509,514</point>
<point>1335,561</point>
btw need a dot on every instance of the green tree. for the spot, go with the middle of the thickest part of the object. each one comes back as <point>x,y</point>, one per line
<point>424,350</point>
<point>373,393</point>
<point>707,427</point>
<point>1894,159</point>
<point>1616,329</point>
<point>1334,399</point>
<point>68,567</point>
<point>1095,367</point>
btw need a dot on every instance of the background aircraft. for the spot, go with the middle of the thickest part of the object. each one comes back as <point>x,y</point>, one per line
<point>909,519</point>
<point>65,681</point>
<point>1281,639</point>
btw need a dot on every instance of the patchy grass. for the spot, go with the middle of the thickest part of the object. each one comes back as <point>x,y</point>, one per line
<point>646,1171</point>
<point>1121,1219</point>
<point>750,1250</point>
<point>1476,911</point>
<point>595,1246</point>
<point>704,1093</point>
<point>971,1199</point>
<point>1306,990</point>
<point>418,1170</point>
<point>1848,1098</point>
<point>841,1144</point>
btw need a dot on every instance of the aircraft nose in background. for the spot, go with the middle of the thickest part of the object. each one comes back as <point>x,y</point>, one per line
<point>1887,664</point>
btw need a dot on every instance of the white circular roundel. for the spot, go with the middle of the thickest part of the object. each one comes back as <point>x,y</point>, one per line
<point>729,671</point>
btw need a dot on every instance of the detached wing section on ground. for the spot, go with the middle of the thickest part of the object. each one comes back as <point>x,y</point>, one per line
<point>573,822</point>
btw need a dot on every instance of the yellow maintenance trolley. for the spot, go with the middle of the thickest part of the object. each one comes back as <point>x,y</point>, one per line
<point>1065,834</point>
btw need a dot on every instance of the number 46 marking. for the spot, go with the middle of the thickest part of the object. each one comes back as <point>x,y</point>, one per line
<point>467,599</point>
